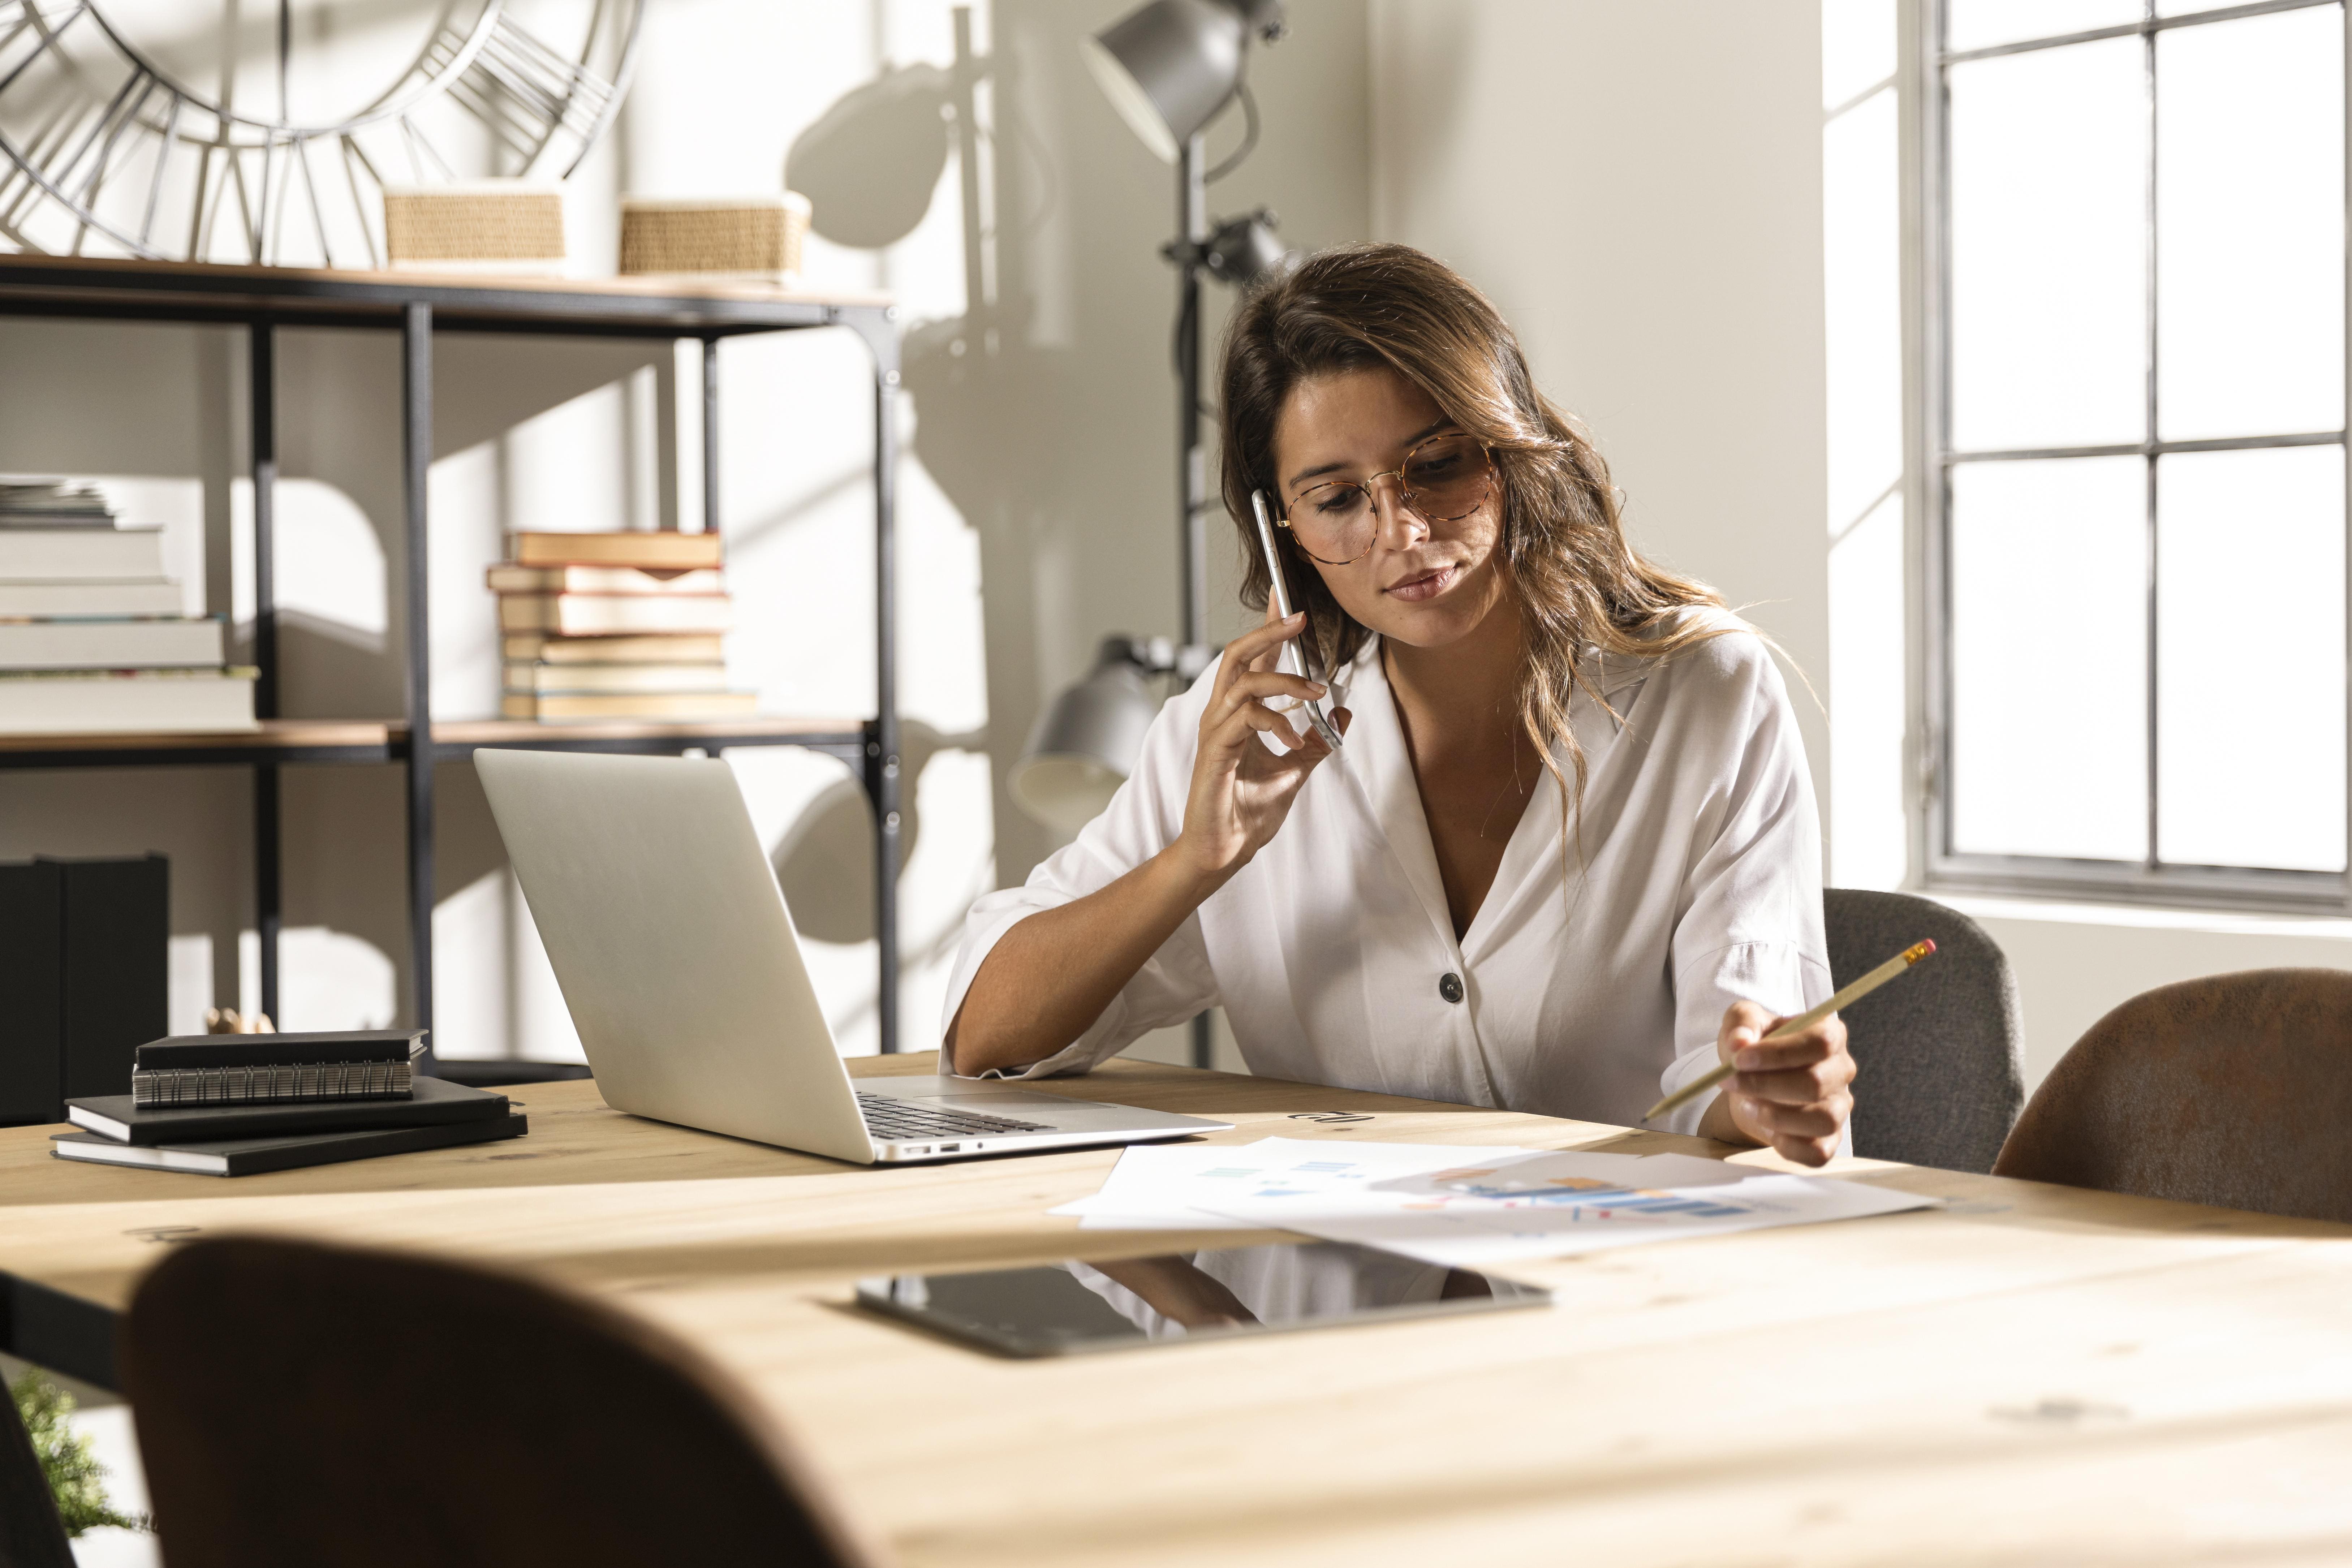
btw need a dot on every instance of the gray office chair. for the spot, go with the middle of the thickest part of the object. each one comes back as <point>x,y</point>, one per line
<point>1939,1081</point>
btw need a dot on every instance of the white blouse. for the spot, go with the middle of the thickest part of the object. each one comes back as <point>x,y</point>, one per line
<point>1595,975</point>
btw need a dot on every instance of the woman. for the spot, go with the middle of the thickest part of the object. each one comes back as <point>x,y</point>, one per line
<point>1567,858</point>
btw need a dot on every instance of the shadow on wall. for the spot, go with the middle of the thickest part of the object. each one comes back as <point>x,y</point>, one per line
<point>1042,410</point>
<point>825,862</point>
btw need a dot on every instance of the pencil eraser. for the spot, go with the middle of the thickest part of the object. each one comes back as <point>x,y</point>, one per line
<point>1930,945</point>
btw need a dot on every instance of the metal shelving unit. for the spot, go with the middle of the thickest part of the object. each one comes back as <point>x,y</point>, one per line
<point>264,298</point>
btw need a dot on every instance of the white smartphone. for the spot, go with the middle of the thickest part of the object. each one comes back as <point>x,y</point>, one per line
<point>1293,658</point>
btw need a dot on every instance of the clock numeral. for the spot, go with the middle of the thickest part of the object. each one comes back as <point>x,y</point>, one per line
<point>163,163</point>
<point>120,116</point>
<point>70,158</point>
<point>28,18</point>
<point>355,159</point>
<point>527,94</point>
<point>414,134</point>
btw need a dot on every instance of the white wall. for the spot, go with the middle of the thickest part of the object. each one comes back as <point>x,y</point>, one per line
<point>1040,474</point>
<point>1638,188</point>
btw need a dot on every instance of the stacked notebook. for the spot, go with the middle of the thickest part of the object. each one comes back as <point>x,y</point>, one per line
<point>237,1105</point>
<point>616,626</point>
<point>91,637</point>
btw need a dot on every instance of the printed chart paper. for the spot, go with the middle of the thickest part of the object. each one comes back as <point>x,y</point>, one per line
<point>1554,1205</point>
<point>1467,1206</point>
<point>1159,1186</point>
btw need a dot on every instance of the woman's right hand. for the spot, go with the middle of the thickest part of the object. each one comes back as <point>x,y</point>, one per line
<point>1242,791</point>
<point>1053,973</point>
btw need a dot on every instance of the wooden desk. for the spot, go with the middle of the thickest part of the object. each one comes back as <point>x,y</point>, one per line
<point>2030,1375</point>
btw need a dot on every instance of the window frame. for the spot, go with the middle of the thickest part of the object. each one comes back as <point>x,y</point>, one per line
<point>2152,881</point>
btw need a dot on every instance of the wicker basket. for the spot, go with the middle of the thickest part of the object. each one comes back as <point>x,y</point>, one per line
<point>722,236</point>
<point>505,226</point>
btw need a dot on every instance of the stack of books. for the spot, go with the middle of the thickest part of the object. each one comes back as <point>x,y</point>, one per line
<point>91,637</point>
<point>616,626</point>
<point>237,1105</point>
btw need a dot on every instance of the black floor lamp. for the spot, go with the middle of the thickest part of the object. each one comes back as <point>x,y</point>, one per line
<point>1169,68</point>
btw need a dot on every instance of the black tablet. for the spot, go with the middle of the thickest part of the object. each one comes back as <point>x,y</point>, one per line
<point>1067,1308</point>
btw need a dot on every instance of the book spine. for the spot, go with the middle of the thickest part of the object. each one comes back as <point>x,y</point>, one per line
<point>32,1017</point>
<point>155,1087</point>
<point>117,926</point>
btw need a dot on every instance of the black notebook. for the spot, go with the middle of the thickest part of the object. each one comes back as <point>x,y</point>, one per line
<point>280,1050</point>
<point>252,1156</point>
<point>431,1102</point>
<point>242,1069</point>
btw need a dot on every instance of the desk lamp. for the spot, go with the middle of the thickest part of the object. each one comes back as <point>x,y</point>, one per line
<point>1169,67</point>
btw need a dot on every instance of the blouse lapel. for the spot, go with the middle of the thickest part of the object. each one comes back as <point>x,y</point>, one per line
<point>1378,762</point>
<point>1534,863</point>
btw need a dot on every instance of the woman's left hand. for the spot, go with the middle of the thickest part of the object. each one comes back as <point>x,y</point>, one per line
<point>1790,1095</point>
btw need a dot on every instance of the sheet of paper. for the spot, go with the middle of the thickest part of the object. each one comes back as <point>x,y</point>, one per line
<point>1163,1187</point>
<point>1145,1191</point>
<point>1553,1205</point>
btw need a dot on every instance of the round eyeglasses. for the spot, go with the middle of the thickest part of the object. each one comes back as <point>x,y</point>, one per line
<point>1443,479</point>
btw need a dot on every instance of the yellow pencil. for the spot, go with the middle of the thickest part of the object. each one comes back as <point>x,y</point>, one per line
<point>1900,964</point>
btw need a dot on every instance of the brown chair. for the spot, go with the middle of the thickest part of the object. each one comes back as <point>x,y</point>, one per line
<point>327,1407</point>
<point>2233,1091</point>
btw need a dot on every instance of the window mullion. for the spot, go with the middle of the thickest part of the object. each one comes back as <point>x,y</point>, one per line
<point>2345,366</point>
<point>2147,45</point>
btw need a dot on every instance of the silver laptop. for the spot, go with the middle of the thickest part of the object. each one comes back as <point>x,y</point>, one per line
<point>683,973</point>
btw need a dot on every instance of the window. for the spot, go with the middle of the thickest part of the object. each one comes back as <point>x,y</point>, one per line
<point>2134,397</point>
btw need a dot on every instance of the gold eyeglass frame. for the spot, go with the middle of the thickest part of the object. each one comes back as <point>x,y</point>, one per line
<point>1403,496</point>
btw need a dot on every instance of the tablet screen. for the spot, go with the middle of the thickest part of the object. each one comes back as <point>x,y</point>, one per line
<point>1066,1308</point>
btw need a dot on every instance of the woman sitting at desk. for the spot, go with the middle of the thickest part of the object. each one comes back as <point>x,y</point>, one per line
<point>1424,916</point>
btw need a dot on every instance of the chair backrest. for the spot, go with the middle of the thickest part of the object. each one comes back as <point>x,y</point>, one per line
<point>1937,1056</point>
<point>326,1407</point>
<point>2233,1090</point>
<point>31,1533</point>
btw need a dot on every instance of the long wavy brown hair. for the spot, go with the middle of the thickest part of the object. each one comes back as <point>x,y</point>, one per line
<point>1582,589</point>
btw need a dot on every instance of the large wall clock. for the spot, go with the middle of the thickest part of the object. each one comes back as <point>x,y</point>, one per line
<point>265,130</point>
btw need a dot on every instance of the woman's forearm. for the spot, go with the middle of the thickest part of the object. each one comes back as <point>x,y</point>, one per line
<point>1049,978</point>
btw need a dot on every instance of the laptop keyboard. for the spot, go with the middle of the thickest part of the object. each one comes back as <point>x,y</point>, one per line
<point>890,1119</point>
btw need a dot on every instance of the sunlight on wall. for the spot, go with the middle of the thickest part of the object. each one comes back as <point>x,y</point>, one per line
<point>326,979</point>
<point>1862,276</point>
<point>188,994</point>
<point>330,563</point>
<point>177,506</point>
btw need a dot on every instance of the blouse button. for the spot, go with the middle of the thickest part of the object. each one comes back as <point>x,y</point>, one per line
<point>1450,987</point>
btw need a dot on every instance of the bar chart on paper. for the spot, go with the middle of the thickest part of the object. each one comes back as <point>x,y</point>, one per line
<point>1467,1208</point>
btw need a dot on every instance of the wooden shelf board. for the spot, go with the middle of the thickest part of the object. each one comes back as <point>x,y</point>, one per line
<point>284,735</point>
<point>525,731</point>
<point>459,300</point>
<point>379,740</point>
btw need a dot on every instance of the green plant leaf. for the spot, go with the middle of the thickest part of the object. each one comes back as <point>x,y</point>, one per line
<point>76,1479</point>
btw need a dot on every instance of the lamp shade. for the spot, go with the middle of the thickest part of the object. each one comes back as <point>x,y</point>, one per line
<point>1244,250</point>
<point>1085,743</point>
<point>1168,66</point>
